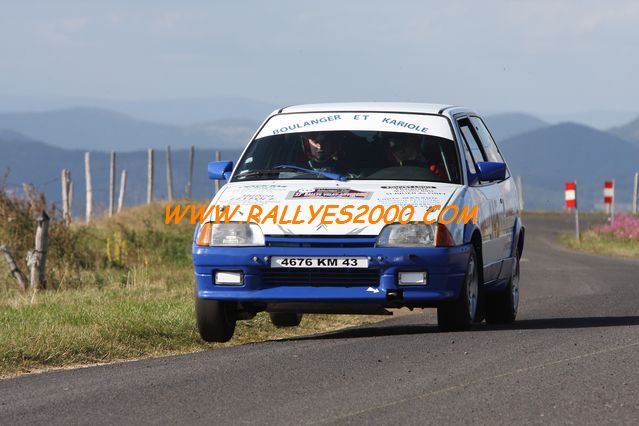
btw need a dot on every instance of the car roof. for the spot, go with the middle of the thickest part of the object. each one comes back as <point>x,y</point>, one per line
<point>414,107</point>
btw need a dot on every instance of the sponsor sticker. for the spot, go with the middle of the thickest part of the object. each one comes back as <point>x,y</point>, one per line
<point>322,193</point>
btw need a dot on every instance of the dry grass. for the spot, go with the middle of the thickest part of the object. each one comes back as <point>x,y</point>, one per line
<point>119,289</point>
<point>97,325</point>
<point>602,244</point>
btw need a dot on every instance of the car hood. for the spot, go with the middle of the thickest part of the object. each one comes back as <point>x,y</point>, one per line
<point>290,196</point>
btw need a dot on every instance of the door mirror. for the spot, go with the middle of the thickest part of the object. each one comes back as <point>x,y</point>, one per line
<point>489,171</point>
<point>220,170</point>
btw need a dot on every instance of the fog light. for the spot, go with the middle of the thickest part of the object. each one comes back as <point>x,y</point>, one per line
<point>412,278</point>
<point>229,277</point>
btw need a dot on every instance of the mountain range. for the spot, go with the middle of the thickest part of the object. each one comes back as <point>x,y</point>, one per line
<point>504,126</point>
<point>177,111</point>
<point>546,158</point>
<point>38,144</point>
<point>106,130</point>
<point>25,160</point>
<point>629,131</point>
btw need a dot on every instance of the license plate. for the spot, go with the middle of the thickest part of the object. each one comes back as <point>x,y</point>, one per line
<point>318,262</point>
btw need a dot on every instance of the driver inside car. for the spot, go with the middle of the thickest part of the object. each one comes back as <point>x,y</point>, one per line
<point>322,151</point>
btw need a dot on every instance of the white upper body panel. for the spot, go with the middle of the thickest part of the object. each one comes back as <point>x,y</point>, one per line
<point>422,118</point>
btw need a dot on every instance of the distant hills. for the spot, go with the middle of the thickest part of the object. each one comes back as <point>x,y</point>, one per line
<point>629,131</point>
<point>36,145</point>
<point>41,164</point>
<point>106,130</point>
<point>236,129</point>
<point>176,111</point>
<point>503,126</point>
<point>550,156</point>
<point>185,111</point>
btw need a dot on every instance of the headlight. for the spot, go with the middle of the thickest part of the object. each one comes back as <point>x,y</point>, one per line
<point>408,235</point>
<point>230,234</point>
<point>415,235</point>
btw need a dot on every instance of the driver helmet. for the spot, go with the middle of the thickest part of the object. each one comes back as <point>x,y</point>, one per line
<point>319,147</point>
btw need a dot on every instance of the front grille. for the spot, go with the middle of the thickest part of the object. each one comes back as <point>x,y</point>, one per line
<point>329,277</point>
<point>321,244</point>
<point>319,241</point>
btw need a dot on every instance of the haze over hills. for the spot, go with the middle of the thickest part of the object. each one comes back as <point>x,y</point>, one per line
<point>175,111</point>
<point>106,130</point>
<point>551,156</point>
<point>545,155</point>
<point>629,131</point>
<point>503,126</point>
<point>238,129</point>
<point>602,119</point>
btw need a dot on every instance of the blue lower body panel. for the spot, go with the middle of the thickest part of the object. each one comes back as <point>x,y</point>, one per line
<point>445,268</point>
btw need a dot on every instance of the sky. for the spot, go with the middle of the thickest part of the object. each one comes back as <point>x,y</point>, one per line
<point>542,57</point>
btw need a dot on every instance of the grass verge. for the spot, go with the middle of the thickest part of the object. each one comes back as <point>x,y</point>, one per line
<point>603,244</point>
<point>119,289</point>
<point>98,325</point>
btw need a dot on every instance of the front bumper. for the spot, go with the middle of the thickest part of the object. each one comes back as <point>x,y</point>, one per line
<point>446,267</point>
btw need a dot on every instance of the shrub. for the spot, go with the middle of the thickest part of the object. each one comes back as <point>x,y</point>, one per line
<point>625,226</point>
<point>108,250</point>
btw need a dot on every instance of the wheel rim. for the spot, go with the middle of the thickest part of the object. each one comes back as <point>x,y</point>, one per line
<point>471,288</point>
<point>514,286</point>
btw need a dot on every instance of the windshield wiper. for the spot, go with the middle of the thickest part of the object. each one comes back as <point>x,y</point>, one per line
<point>334,176</point>
<point>278,169</point>
<point>258,172</point>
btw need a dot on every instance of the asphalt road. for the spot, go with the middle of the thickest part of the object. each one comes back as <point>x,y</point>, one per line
<point>572,357</point>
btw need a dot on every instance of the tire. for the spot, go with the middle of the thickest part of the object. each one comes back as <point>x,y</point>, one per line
<point>462,313</point>
<point>501,308</point>
<point>285,319</point>
<point>215,319</point>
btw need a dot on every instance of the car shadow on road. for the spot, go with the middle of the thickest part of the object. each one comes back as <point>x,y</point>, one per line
<point>380,330</point>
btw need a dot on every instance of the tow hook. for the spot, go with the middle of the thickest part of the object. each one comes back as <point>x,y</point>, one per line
<point>394,295</point>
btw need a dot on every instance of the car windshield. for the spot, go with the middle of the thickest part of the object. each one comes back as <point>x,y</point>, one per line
<point>350,155</point>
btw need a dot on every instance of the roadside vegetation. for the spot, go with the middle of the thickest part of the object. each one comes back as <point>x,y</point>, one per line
<point>121,288</point>
<point>619,239</point>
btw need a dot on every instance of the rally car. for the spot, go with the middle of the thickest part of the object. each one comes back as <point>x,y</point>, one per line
<point>346,209</point>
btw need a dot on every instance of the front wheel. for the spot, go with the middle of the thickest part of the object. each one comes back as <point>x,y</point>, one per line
<point>216,319</point>
<point>462,313</point>
<point>285,319</point>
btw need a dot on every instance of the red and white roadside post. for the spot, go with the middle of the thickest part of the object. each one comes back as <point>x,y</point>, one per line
<point>571,203</point>
<point>609,199</point>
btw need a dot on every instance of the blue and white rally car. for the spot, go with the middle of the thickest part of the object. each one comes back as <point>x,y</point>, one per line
<point>356,208</point>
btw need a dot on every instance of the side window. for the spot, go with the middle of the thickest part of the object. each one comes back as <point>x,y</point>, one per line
<point>469,159</point>
<point>492,153</point>
<point>472,144</point>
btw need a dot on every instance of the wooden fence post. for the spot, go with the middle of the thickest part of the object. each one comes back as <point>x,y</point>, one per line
<point>38,257</point>
<point>66,196</point>
<point>169,173</point>
<point>13,267</point>
<point>149,182</point>
<point>218,157</point>
<point>189,182</point>
<point>112,184</point>
<point>122,189</point>
<point>70,198</point>
<point>89,187</point>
